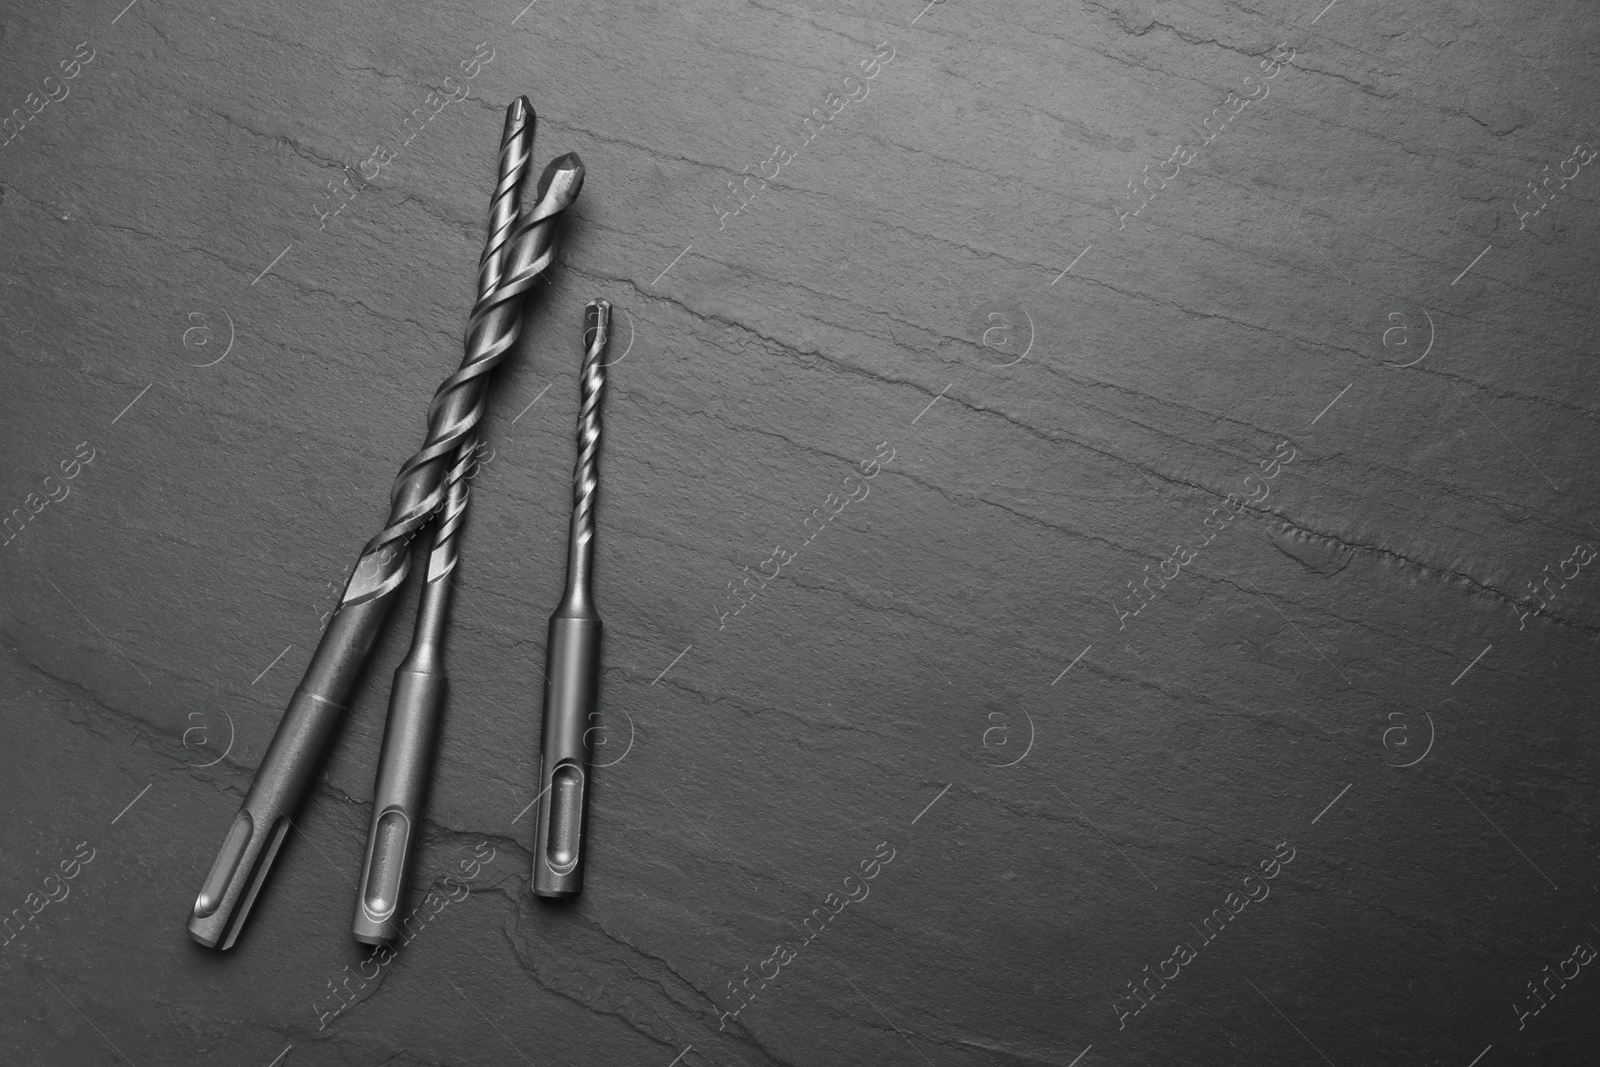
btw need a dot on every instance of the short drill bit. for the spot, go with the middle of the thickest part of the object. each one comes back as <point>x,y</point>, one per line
<point>572,656</point>
<point>287,771</point>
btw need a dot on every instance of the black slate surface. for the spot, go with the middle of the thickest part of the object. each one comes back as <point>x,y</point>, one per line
<point>1041,714</point>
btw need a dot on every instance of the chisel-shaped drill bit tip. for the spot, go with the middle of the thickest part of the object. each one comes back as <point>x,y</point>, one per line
<point>559,185</point>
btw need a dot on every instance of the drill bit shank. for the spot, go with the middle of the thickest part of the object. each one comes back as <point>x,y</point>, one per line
<point>411,732</point>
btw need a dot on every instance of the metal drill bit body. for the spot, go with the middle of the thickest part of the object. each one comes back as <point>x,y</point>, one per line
<point>572,655</point>
<point>586,472</point>
<point>417,695</point>
<point>446,550</point>
<point>519,249</point>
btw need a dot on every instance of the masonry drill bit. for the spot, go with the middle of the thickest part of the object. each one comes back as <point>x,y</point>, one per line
<point>572,655</point>
<point>290,765</point>
<point>417,697</point>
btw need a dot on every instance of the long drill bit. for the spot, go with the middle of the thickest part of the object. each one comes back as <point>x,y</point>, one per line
<point>572,656</point>
<point>417,697</point>
<point>287,771</point>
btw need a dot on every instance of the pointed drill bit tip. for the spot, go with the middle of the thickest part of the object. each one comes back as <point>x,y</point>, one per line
<point>519,114</point>
<point>596,325</point>
<point>558,186</point>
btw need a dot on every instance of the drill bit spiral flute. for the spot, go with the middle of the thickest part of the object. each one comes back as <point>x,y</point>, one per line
<point>520,248</point>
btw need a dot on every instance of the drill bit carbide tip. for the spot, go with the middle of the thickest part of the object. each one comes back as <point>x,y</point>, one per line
<point>559,185</point>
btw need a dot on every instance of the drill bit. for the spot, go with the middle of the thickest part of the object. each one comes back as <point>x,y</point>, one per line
<point>572,656</point>
<point>416,699</point>
<point>287,771</point>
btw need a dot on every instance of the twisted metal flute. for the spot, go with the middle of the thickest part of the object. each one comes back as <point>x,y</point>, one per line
<point>572,655</point>
<point>458,405</point>
<point>504,206</point>
<point>520,247</point>
<point>586,474</point>
<point>446,551</point>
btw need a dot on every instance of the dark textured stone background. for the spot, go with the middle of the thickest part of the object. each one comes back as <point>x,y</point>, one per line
<point>911,654</point>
